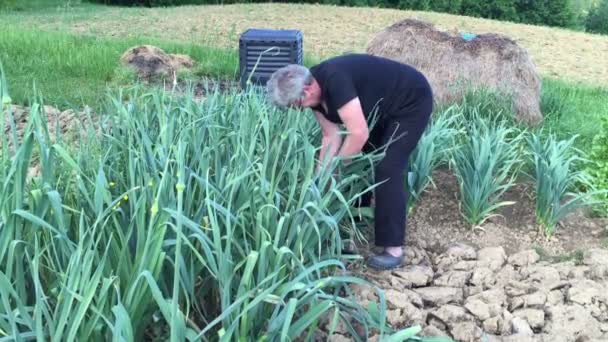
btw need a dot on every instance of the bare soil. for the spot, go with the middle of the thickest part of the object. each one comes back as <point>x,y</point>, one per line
<point>437,219</point>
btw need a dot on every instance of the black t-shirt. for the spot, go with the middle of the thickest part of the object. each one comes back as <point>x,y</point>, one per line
<point>385,87</point>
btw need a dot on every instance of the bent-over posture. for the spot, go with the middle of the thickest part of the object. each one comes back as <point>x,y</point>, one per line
<point>347,90</point>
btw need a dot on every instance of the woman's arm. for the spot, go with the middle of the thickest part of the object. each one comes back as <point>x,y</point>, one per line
<point>330,141</point>
<point>358,131</point>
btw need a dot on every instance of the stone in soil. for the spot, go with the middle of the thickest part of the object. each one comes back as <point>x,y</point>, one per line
<point>524,258</point>
<point>534,317</point>
<point>585,292</point>
<point>453,279</point>
<point>536,299</point>
<point>413,276</point>
<point>492,257</point>
<point>437,296</point>
<point>520,326</point>
<point>572,321</point>
<point>466,332</point>
<point>483,277</point>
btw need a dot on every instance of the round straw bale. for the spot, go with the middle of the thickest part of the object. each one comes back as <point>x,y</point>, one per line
<point>455,65</point>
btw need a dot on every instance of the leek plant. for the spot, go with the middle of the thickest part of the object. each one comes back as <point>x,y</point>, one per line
<point>485,166</point>
<point>179,220</point>
<point>432,150</point>
<point>556,174</point>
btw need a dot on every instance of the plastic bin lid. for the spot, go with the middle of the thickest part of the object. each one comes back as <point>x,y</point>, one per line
<point>272,34</point>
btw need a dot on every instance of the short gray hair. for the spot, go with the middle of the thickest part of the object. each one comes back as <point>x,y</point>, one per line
<point>286,85</point>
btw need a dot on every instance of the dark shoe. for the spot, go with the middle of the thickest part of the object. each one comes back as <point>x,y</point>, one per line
<point>385,261</point>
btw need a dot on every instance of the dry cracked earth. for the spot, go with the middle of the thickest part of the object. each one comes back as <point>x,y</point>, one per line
<point>487,295</point>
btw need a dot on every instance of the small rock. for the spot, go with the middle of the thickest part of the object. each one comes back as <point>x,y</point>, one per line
<point>450,314</point>
<point>453,279</point>
<point>555,297</point>
<point>522,338</point>
<point>599,272</point>
<point>437,296</point>
<point>460,251</point>
<point>521,326</point>
<point>597,311</point>
<point>414,276</point>
<point>456,252</point>
<point>396,299</point>
<point>536,299</point>
<point>604,327</point>
<point>595,257</point>
<point>544,277</point>
<point>584,291</point>
<point>484,277</point>
<point>492,325</point>
<point>464,265</point>
<point>472,290</point>
<point>466,331</point>
<point>492,257</point>
<point>437,323</point>
<point>416,255</point>
<point>395,318</point>
<point>579,272</point>
<point>413,297</point>
<point>518,288</point>
<point>506,275</point>
<point>570,321</point>
<point>414,315</point>
<point>534,317</point>
<point>494,296</point>
<point>478,308</point>
<point>524,258</point>
<point>492,338</point>
<point>433,331</point>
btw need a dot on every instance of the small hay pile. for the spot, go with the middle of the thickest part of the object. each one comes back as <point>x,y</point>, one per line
<point>150,61</point>
<point>453,64</point>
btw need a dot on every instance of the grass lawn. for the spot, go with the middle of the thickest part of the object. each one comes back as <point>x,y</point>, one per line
<point>328,30</point>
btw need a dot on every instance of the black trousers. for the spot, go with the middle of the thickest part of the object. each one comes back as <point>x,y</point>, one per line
<point>402,133</point>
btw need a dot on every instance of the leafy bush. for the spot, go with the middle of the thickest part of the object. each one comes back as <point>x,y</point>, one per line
<point>597,19</point>
<point>556,174</point>
<point>182,219</point>
<point>485,166</point>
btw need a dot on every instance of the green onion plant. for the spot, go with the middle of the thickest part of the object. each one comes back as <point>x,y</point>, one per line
<point>179,219</point>
<point>433,149</point>
<point>556,175</point>
<point>485,166</point>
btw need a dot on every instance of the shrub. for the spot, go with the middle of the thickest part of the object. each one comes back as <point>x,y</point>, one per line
<point>597,19</point>
<point>555,175</point>
<point>485,166</point>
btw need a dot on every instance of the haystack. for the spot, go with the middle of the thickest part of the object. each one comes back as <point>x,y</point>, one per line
<point>151,61</point>
<point>454,65</point>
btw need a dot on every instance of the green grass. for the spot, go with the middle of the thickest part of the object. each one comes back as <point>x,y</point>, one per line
<point>574,109</point>
<point>71,71</point>
<point>74,71</point>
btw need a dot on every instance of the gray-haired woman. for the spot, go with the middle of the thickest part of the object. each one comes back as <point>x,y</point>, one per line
<point>347,90</point>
